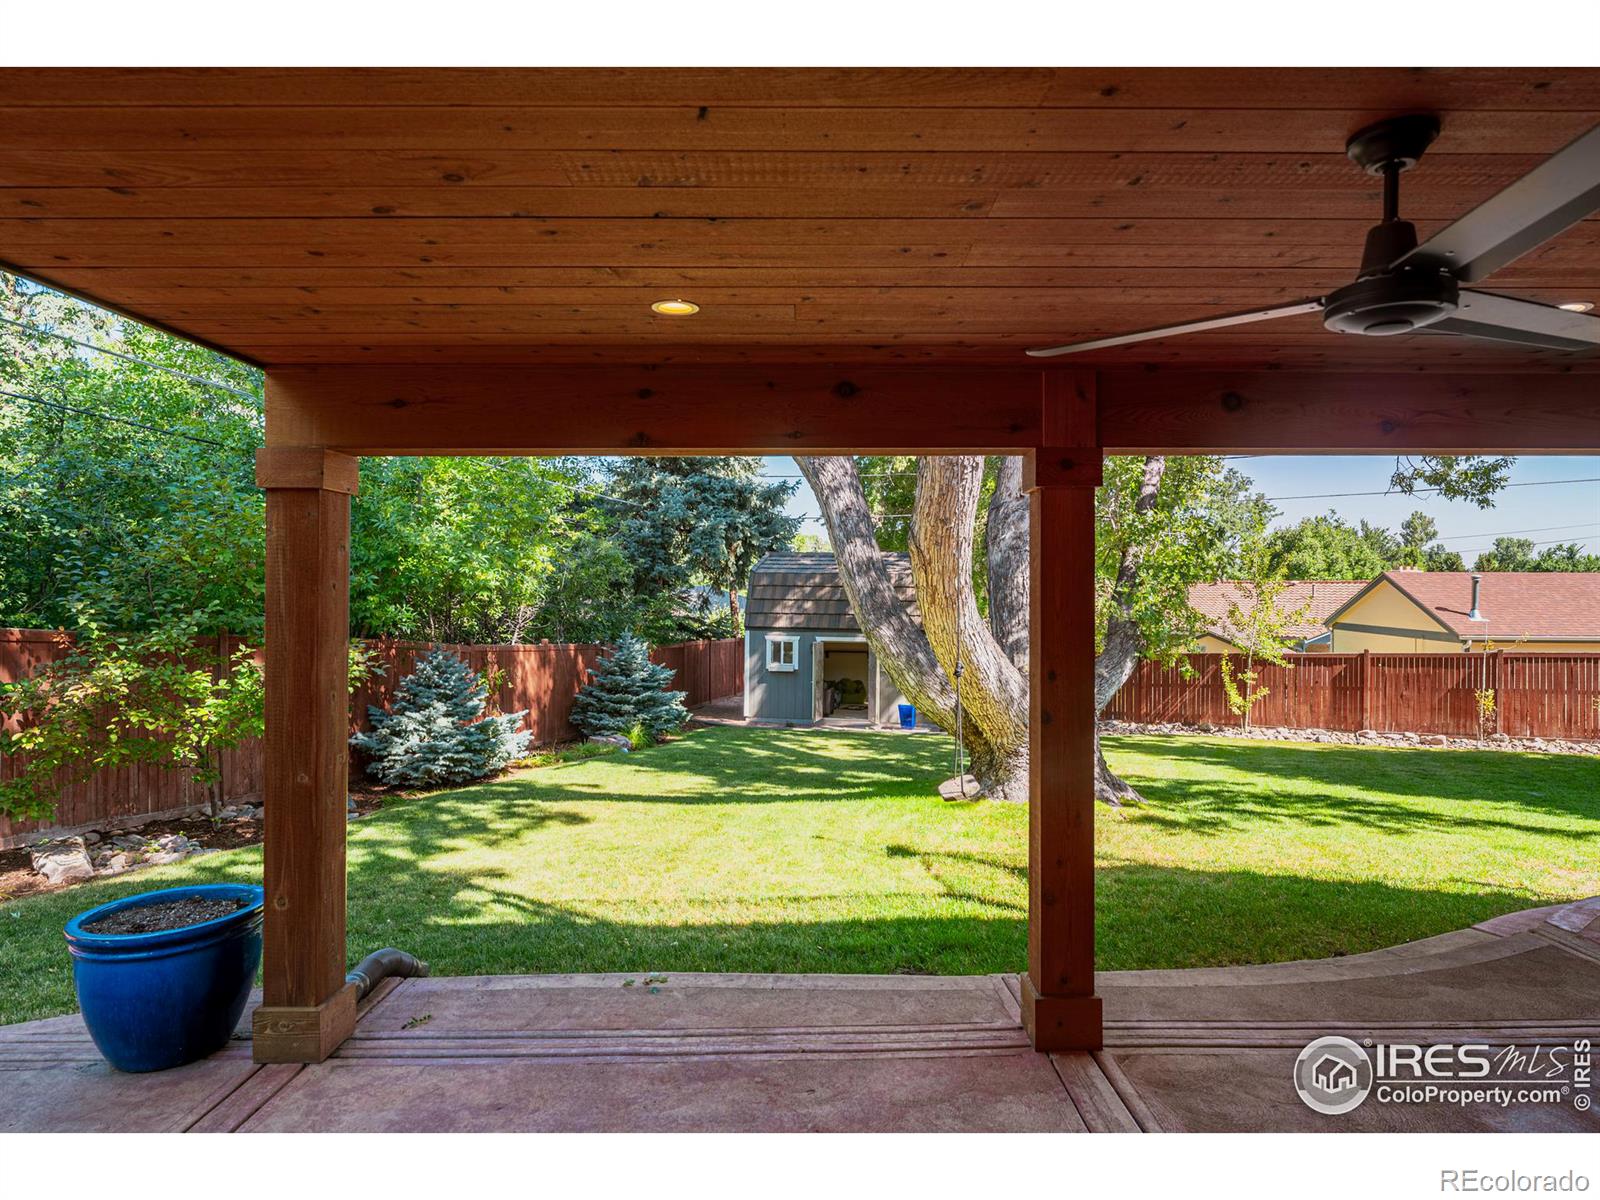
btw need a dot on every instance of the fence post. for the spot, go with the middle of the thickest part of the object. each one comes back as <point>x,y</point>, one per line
<point>1494,684</point>
<point>1366,690</point>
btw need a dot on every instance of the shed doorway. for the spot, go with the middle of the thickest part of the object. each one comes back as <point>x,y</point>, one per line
<point>844,681</point>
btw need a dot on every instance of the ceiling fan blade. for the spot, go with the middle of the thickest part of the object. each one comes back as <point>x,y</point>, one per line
<point>1147,335</point>
<point>1525,322</point>
<point>1561,191</point>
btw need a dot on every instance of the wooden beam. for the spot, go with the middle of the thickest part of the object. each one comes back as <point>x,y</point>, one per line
<point>808,409</point>
<point>1293,412</point>
<point>305,1012</point>
<point>831,409</point>
<point>1059,1007</point>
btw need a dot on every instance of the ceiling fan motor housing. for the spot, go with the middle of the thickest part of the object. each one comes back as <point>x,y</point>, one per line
<point>1398,302</point>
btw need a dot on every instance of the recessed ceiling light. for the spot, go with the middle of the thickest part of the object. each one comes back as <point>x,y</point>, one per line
<point>1577,306</point>
<point>675,308</point>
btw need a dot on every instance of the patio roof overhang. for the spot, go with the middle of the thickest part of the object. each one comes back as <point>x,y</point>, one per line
<point>443,261</point>
<point>841,217</point>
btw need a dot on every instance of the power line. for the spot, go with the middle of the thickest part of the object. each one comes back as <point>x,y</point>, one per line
<point>913,474</point>
<point>1460,537</point>
<point>1490,549</point>
<point>145,362</point>
<point>103,416</point>
<point>1420,491</point>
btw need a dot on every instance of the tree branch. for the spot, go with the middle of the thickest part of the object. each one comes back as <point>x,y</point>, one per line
<point>1008,562</point>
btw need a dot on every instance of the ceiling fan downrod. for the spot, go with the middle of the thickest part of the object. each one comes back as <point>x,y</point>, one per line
<point>1388,298</point>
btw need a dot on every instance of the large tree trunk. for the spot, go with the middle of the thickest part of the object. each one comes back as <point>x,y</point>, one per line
<point>921,659</point>
<point>994,693</point>
<point>993,655</point>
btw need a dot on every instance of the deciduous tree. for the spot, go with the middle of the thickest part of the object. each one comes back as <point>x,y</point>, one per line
<point>1162,526</point>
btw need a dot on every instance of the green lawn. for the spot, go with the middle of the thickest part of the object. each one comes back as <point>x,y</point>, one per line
<point>767,850</point>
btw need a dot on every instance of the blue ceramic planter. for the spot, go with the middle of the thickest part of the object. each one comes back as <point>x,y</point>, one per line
<point>158,1000</point>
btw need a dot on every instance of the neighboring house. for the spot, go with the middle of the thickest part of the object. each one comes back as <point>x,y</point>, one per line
<point>1320,597</point>
<point>1433,612</point>
<point>806,659</point>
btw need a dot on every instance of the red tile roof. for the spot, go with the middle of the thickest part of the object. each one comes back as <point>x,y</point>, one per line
<point>1324,596</point>
<point>1551,605</point>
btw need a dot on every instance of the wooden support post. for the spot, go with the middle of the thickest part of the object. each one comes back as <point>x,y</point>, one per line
<point>308,1010</point>
<point>1059,1007</point>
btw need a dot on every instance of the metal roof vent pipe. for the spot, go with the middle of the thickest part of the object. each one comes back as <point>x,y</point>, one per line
<point>1477,591</point>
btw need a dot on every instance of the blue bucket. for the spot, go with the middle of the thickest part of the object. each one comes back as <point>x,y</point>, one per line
<point>158,1000</point>
<point>908,716</point>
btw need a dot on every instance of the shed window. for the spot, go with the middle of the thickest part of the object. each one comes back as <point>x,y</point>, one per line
<point>783,653</point>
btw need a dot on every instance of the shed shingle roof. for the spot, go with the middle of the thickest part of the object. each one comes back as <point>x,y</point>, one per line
<point>803,591</point>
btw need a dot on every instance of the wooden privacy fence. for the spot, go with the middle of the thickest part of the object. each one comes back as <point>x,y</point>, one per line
<point>542,678</point>
<point>1536,695</point>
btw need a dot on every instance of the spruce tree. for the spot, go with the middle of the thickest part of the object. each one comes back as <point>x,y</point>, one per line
<point>435,732</point>
<point>627,690</point>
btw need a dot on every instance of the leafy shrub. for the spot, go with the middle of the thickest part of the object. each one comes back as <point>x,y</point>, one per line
<point>155,697</point>
<point>629,690</point>
<point>436,731</point>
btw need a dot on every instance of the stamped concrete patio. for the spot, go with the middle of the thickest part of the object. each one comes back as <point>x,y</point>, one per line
<point>1185,1050</point>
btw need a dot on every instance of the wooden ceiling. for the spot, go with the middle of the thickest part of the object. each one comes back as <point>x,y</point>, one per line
<point>309,216</point>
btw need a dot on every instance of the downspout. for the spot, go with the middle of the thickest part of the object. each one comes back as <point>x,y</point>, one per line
<point>380,965</point>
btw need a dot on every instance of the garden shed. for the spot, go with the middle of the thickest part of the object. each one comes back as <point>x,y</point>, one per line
<point>806,660</point>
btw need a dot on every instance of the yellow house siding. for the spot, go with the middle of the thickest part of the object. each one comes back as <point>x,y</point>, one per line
<point>1384,608</point>
<point>1353,641</point>
<point>1210,644</point>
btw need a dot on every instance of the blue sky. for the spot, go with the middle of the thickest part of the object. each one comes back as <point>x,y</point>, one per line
<point>1547,510</point>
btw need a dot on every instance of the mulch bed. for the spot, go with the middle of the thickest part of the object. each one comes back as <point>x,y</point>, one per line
<point>170,914</point>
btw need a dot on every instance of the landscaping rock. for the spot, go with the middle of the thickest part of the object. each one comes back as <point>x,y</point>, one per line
<point>91,837</point>
<point>63,861</point>
<point>126,842</point>
<point>1361,737</point>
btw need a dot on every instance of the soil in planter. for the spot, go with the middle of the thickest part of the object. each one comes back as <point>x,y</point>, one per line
<point>169,914</point>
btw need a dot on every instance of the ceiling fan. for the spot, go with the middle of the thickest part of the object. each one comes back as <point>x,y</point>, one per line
<point>1404,287</point>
